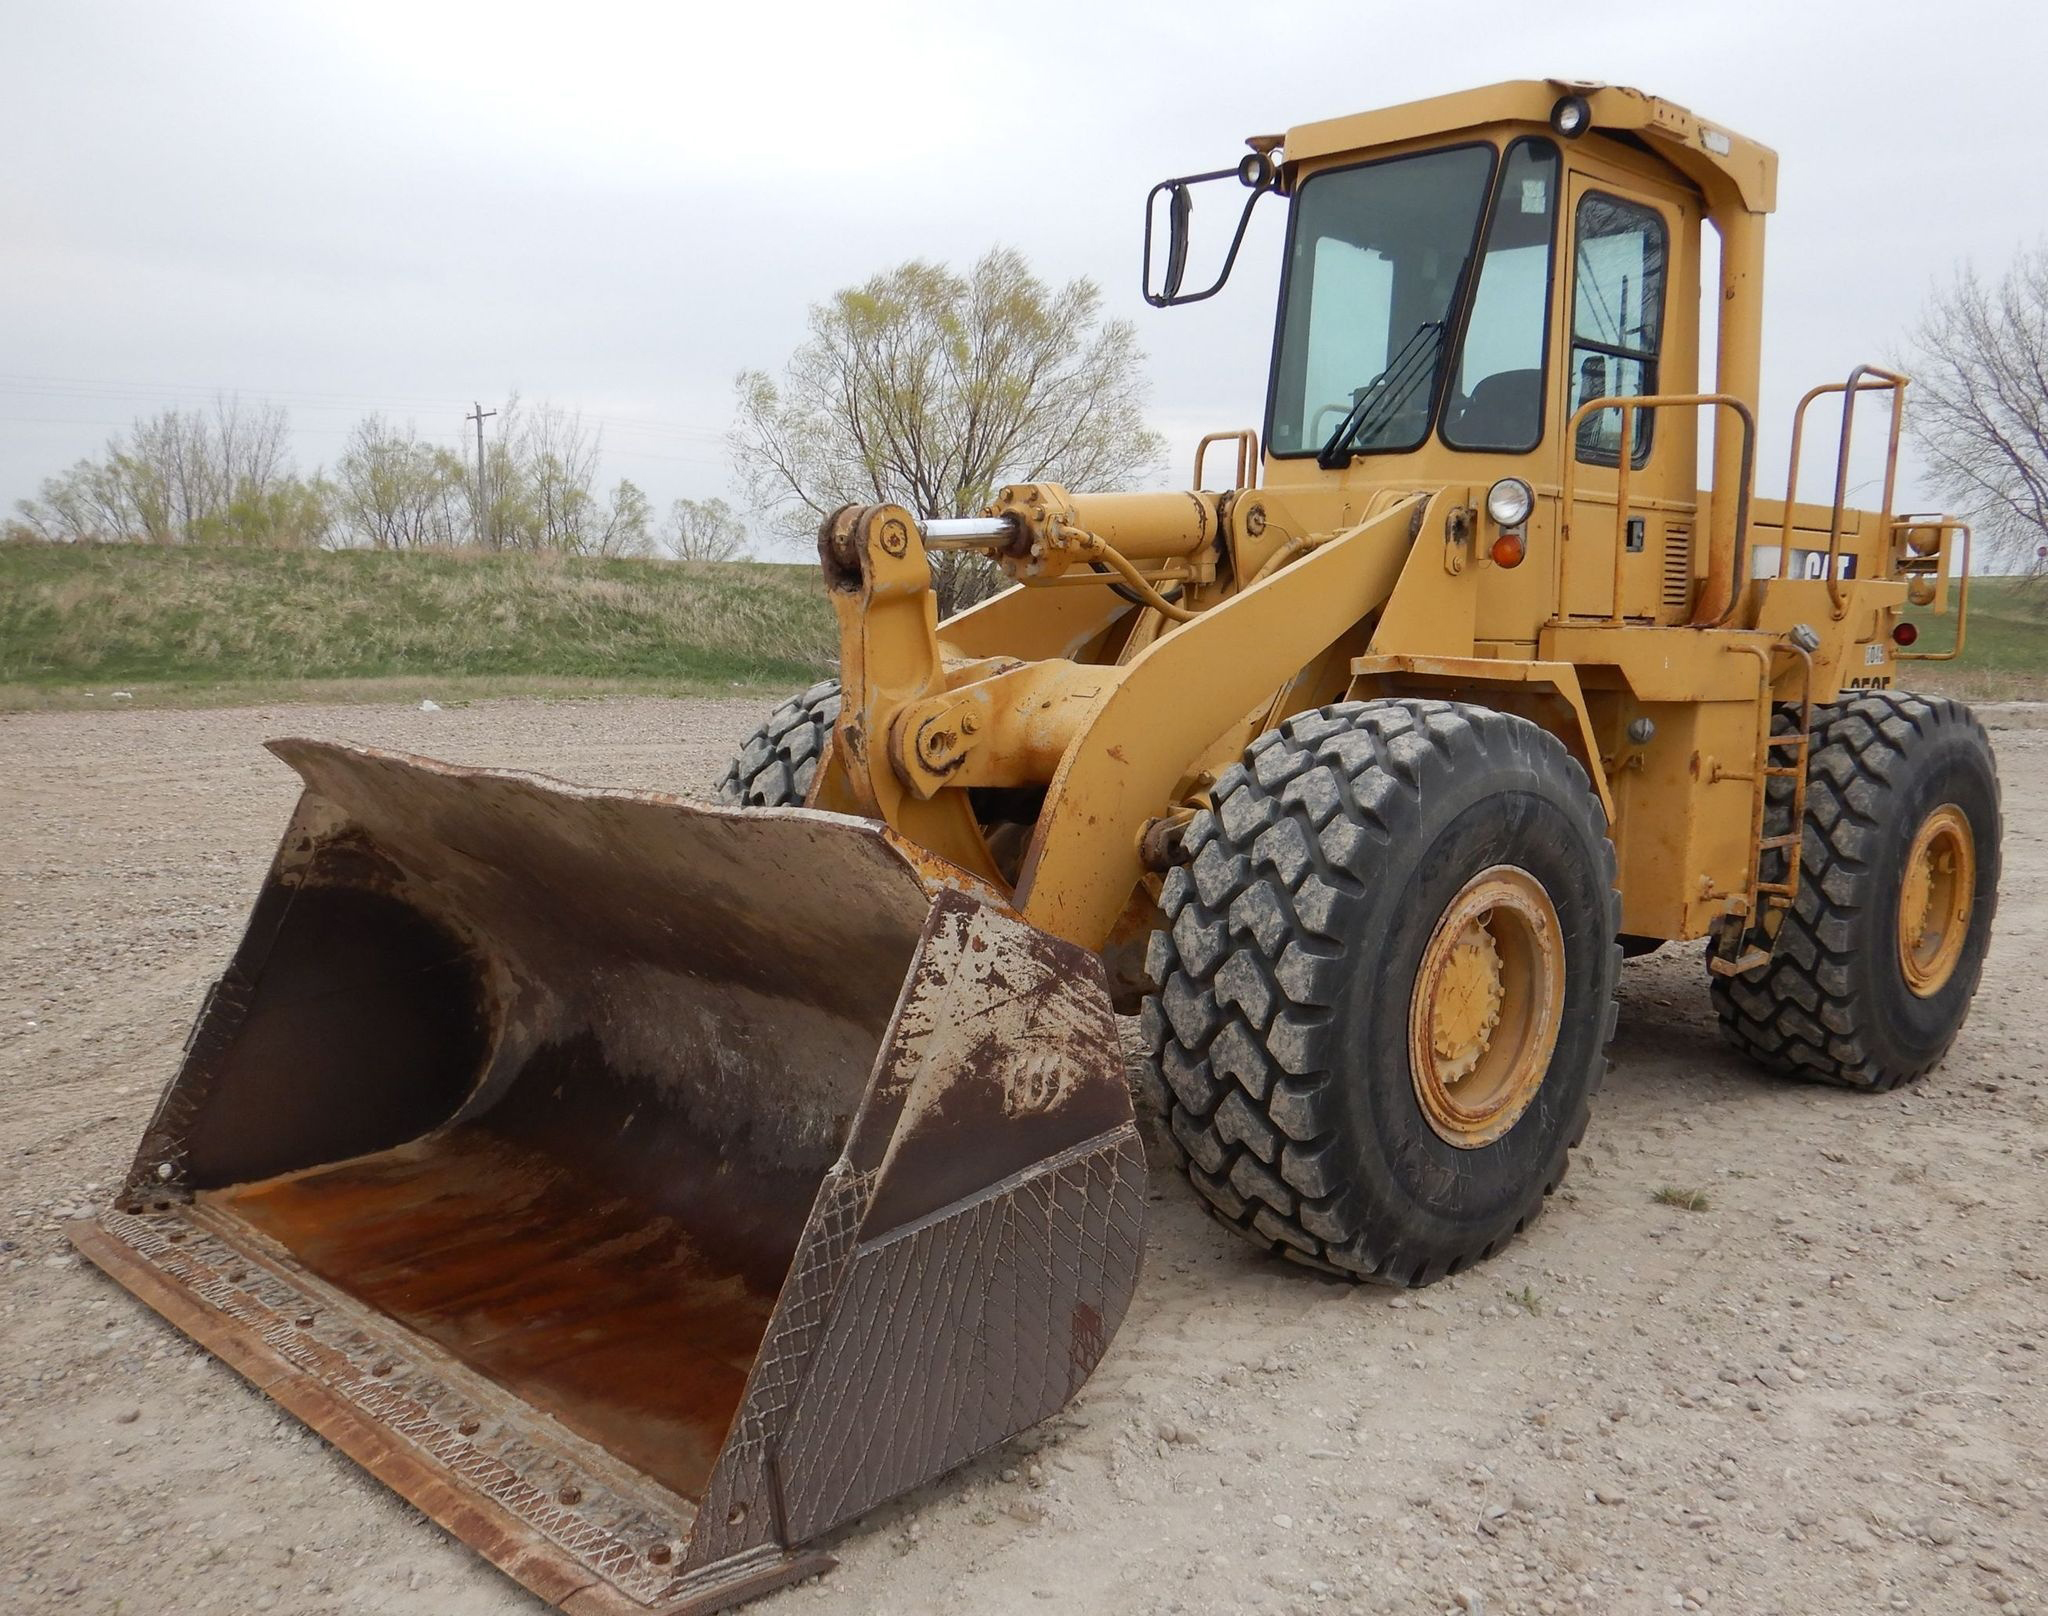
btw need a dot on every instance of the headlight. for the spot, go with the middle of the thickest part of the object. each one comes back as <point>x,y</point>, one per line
<point>1509,502</point>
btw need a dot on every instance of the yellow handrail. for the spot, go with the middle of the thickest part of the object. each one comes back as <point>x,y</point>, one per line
<point>1863,379</point>
<point>1247,441</point>
<point>1625,455</point>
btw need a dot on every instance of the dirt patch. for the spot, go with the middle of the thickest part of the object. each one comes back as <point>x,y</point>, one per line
<point>1820,1392</point>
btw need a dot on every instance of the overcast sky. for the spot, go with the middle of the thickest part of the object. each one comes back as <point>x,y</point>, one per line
<point>404,206</point>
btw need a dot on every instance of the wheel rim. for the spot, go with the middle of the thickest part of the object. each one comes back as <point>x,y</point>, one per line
<point>1488,1002</point>
<point>1936,899</point>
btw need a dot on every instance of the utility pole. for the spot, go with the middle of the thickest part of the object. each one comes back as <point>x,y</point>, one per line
<point>480,416</point>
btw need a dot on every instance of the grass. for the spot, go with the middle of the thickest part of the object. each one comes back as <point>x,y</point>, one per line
<point>1684,1200</point>
<point>196,627</point>
<point>192,627</point>
<point>2005,653</point>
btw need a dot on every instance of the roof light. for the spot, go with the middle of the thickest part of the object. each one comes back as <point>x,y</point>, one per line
<point>1572,116</point>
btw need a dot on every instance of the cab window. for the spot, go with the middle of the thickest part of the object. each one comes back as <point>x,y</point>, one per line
<point>1617,320</point>
<point>1496,398</point>
<point>1377,258</point>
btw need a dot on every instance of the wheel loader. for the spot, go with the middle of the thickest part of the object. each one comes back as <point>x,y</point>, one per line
<point>645,1188</point>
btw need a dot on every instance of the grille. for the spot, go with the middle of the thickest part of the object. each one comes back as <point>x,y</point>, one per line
<point>1677,563</point>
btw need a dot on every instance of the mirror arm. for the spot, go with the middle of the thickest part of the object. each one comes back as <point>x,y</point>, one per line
<point>1180,206</point>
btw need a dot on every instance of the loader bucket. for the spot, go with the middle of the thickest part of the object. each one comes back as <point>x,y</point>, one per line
<point>640,1188</point>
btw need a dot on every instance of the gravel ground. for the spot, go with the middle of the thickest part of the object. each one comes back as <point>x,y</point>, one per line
<point>1821,1394</point>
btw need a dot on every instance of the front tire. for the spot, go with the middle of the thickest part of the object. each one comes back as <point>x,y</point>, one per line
<point>1876,962</point>
<point>1386,985</point>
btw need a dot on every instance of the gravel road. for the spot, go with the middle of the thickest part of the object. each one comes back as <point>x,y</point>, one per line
<point>1823,1393</point>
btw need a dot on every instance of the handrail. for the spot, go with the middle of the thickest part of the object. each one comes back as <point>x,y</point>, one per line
<point>1863,379</point>
<point>1622,467</point>
<point>1962,594</point>
<point>1247,441</point>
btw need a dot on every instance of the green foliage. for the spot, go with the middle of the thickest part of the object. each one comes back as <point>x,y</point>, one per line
<point>393,491</point>
<point>103,615</point>
<point>225,477</point>
<point>703,530</point>
<point>931,389</point>
<point>186,477</point>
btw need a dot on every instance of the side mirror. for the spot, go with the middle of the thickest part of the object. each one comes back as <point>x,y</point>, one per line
<point>1256,173</point>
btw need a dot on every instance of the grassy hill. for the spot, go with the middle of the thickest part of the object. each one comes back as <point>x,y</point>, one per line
<point>191,625</point>
<point>2005,650</point>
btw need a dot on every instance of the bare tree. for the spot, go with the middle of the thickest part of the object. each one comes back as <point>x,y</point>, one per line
<point>703,530</point>
<point>556,459</point>
<point>540,477</point>
<point>624,525</point>
<point>931,390</point>
<point>1979,362</point>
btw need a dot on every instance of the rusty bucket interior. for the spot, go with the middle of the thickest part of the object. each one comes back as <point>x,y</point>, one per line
<point>579,1161</point>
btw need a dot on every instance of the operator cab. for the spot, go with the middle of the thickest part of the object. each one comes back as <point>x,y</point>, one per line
<point>1464,276</point>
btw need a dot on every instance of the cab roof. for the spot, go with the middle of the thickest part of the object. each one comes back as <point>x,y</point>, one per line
<point>1728,168</point>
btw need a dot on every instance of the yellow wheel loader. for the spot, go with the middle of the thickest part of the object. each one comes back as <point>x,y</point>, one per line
<point>644,1188</point>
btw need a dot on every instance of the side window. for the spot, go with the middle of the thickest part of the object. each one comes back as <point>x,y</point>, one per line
<point>1617,320</point>
<point>1496,397</point>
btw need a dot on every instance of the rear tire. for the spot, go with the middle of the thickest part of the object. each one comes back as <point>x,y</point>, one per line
<point>1892,781</point>
<point>1284,1026</point>
<point>776,766</point>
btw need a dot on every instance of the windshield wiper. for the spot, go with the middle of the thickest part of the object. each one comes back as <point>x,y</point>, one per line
<point>1379,400</point>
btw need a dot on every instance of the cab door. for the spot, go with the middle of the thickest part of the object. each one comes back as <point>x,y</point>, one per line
<point>1631,287</point>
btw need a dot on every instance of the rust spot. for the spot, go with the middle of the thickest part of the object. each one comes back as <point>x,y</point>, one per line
<point>573,1295</point>
<point>1117,752</point>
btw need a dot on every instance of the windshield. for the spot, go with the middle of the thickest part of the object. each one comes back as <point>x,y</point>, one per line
<point>1374,265</point>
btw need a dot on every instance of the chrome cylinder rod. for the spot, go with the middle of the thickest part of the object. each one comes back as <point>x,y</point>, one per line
<point>966,529</point>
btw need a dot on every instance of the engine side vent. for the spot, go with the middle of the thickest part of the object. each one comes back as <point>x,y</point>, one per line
<point>1677,563</point>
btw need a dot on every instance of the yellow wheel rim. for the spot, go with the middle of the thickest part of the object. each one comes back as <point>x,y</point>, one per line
<point>1936,899</point>
<point>1488,1002</point>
